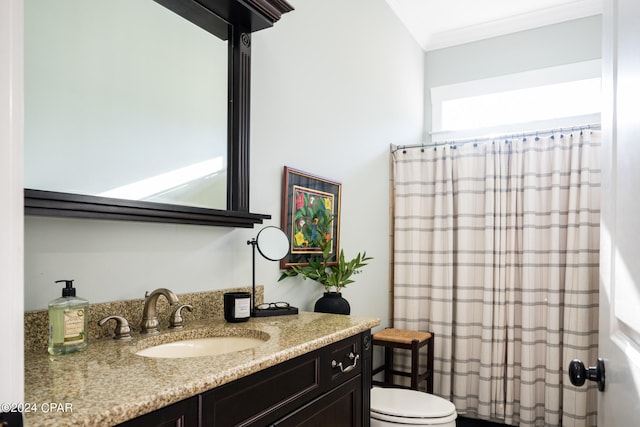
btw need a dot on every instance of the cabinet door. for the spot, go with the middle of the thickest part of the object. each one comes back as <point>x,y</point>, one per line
<point>341,407</point>
<point>181,414</point>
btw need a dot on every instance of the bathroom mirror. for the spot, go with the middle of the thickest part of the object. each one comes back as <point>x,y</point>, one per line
<point>161,131</point>
<point>124,99</point>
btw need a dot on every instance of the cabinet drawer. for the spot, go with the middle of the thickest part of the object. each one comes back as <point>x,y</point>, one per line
<point>342,361</point>
<point>264,396</point>
<point>341,407</point>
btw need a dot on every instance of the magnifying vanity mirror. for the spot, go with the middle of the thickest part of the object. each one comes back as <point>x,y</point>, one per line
<point>138,110</point>
<point>273,244</point>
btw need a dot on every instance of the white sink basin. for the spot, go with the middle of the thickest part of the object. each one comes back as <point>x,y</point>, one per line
<point>200,347</point>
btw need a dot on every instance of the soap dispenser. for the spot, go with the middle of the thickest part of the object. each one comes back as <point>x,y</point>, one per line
<point>68,320</point>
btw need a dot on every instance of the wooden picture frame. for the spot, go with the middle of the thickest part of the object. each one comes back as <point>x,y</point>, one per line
<point>304,196</point>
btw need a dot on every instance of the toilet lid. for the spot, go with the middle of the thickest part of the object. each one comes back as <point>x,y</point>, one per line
<point>409,403</point>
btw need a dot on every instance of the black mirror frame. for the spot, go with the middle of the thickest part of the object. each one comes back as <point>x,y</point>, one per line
<point>231,20</point>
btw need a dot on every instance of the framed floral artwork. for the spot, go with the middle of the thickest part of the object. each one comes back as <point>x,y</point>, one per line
<point>307,200</point>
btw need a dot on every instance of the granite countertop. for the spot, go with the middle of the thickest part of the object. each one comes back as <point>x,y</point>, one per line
<point>107,383</point>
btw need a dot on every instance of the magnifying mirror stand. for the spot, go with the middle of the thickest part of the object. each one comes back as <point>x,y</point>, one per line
<point>253,243</point>
<point>274,309</point>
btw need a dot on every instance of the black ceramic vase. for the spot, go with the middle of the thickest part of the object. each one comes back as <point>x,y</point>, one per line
<point>332,302</point>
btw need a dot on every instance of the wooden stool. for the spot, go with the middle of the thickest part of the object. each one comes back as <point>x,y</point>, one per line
<point>392,338</point>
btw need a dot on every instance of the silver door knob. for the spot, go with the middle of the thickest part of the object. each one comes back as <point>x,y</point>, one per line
<point>578,374</point>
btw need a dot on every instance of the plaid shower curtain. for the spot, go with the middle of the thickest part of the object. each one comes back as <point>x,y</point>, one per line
<point>496,250</point>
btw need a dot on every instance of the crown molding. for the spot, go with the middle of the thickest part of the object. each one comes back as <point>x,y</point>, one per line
<point>525,21</point>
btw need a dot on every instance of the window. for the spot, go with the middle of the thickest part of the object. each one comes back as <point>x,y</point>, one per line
<point>558,97</point>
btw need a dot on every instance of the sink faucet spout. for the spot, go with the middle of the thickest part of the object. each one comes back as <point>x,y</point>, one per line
<point>150,312</point>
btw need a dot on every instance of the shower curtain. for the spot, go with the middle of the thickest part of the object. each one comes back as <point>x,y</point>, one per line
<point>496,251</point>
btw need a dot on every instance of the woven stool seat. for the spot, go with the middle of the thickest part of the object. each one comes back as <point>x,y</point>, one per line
<point>392,338</point>
<point>401,336</point>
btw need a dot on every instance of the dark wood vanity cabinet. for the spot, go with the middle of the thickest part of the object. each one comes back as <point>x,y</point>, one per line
<point>326,387</point>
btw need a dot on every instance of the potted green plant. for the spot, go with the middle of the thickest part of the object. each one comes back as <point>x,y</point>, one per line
<point>332,274</point>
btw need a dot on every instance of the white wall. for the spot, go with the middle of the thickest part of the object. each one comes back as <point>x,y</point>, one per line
<point>11,203</point>
<point>333,84</point>
<point>558,44</point>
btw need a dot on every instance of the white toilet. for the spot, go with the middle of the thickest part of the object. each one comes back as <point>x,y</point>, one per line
<point>394,407</point>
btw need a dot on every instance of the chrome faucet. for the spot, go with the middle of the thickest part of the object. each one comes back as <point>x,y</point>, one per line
<point>150,314</point>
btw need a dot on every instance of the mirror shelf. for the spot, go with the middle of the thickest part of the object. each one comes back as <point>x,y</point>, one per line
<point>50,203</point>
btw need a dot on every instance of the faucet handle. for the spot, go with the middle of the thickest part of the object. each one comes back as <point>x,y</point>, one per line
<point>122,330</point>
<point>175,321</point>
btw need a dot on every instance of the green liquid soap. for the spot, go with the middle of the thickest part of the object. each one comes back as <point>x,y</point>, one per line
<point>68,322</point>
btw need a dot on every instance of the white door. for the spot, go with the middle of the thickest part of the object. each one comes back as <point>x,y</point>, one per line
<point>619,404</point>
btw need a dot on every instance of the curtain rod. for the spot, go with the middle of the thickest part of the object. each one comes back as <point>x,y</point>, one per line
<point>461,141</point>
